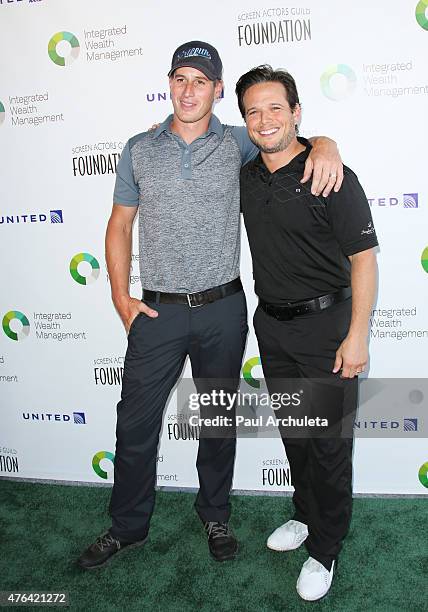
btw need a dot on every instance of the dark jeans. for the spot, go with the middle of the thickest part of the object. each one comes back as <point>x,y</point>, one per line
<point>214,337</point>
<point>321,467</point>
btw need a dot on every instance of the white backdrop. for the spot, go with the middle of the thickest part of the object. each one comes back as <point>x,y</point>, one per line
<point>362,79</point>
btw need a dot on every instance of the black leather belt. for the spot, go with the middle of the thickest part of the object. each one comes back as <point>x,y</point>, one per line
<point>286,312</point>
<point>194,299</point>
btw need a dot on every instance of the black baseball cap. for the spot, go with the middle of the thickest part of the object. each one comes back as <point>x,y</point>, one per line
<point>199,55</point>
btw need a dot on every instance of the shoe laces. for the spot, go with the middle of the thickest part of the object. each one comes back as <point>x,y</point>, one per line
<point>217,530</point>
<point>106,540</point>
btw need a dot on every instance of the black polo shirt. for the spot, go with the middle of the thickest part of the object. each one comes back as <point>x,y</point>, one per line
<point>299,242</point>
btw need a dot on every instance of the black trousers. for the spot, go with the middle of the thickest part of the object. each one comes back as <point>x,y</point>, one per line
<point>214,337</point>
<point>321,467</point>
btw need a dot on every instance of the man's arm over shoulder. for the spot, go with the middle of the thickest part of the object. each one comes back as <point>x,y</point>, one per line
<point>247,148</point>
<point>323,163</point>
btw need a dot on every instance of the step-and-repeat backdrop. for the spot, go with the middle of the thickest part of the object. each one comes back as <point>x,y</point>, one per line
<point>78,79</point>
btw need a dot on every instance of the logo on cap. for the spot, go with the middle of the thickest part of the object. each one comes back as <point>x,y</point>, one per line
<point>194,52</point>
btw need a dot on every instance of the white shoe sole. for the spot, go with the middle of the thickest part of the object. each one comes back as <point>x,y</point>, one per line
<point>279,549</point>
<point>312,598</point>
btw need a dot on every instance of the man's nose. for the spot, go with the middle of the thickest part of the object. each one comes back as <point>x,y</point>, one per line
<point>264,117</point>
<point>189,90</point>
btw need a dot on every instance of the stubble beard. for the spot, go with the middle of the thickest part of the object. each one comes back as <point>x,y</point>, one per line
<point>283,144</point>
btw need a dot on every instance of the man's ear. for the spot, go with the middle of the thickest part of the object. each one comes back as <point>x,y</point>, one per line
<point>218,89</point>
<point>297,114</point>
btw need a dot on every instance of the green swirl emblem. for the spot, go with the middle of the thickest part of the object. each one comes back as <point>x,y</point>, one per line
<point>16,315</point>
<point>96,463</point>
<point>78,277</point>
<point>73,53</point>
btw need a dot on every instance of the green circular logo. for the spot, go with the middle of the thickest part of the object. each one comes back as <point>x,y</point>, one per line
<point>424,259</point>
<point>96,463</point>
<point>247,371</point>
<point>2,113</point>
<point>16,315</point>
<point>423,474</point>
<point>73,53</point>
<point>78,277</point>
<point>421,16</point>
<point>329,88</point>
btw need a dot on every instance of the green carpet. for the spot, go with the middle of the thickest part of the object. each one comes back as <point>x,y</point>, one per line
<point>43,528</point>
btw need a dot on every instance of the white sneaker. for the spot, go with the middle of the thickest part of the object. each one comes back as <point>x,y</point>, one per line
<point>288,537</point>
<point>314,580</point>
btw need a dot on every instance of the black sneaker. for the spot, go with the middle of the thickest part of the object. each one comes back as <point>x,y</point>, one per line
<point>103,549</point>
<point>222,543</point>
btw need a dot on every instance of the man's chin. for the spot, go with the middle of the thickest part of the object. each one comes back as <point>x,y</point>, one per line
<point>189,117</point>
<point>271,149</point>
<point>266,148</point>
<point>276,147</point>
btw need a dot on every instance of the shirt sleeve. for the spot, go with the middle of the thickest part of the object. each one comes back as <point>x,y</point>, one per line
<point>247,148</point>
<point>126,189</point>
<point>350,216</point>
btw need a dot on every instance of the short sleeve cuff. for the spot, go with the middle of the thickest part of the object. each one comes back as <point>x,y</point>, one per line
<point>360,245</point>
<point>121,202</point>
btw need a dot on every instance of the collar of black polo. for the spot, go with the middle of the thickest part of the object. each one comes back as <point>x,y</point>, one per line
<point>297,164</point>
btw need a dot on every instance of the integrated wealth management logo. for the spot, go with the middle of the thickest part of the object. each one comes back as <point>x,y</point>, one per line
<point>338,82</point>
<point>108,462</point>
<point>97,45</point>
<point>424,259</point>
<point>96,461</point>
<point>63,48</point>
<point>2,112</point>
<point>23,325</point>
<point>423,474</point>
<point>247,372</point>
<point>78,274</point>
<point>421,14</point>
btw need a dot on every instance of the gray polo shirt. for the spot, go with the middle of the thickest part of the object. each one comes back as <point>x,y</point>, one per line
<point>188,198</point>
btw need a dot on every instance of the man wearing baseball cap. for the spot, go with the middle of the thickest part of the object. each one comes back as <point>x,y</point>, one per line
<point>184,178</point>
<point>199,55</point>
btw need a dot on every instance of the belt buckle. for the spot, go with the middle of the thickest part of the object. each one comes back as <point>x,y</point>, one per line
<point>280,314</point>
<point>189,296</point>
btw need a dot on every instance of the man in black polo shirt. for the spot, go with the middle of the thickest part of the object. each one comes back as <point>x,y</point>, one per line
<point>309,254</point>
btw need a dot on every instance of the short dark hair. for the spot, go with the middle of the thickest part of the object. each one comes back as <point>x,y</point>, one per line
<point>266,74</point>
